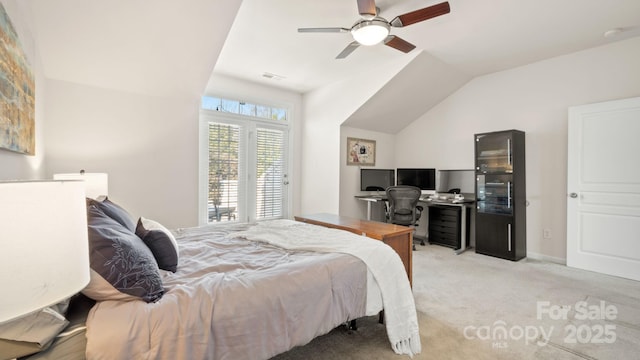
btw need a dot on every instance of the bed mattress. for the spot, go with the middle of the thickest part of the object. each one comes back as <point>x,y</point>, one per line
<point>232,298</point>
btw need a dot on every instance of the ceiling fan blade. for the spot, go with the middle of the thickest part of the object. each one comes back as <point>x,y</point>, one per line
<point>421,15</point>
<point>367,9</point>
<point>399,44</point>
<point>348,50</point>
<point>323,30</point>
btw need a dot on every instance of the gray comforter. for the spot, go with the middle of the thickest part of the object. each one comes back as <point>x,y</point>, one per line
<point>232,299</point>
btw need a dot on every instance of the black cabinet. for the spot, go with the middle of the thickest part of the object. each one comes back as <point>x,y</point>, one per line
<point>501,194</point>
<point>444,225</point>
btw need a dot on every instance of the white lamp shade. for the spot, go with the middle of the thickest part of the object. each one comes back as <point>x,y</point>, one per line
<point>97,184</point>
<point>44,247</point>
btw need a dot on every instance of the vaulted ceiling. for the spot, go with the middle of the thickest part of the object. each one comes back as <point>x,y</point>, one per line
<point>155,47</point>
<point>168,47</point>
<point>476,37</point>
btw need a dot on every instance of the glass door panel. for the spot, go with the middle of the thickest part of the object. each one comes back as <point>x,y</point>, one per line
<point>494,153</point>
<point>494,194</point>
<point>270,173</point>
<point>226,169</point>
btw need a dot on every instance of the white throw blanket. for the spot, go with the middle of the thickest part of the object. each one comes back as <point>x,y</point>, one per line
<point>384,263</point>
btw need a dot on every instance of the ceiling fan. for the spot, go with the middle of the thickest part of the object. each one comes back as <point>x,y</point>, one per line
<point>372,29</point>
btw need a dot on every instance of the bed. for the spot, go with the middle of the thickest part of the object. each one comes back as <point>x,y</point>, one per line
<point>236,291</point>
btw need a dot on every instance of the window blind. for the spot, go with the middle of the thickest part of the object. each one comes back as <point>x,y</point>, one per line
<point>269,173</point>
<point>225,171</point>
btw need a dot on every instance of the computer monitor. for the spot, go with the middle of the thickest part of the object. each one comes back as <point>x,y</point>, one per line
<point>424,178</point>
<point>376,179</point>
<point>462,181</point>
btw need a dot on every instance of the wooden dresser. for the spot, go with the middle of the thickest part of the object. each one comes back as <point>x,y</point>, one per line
<point>400,238</point>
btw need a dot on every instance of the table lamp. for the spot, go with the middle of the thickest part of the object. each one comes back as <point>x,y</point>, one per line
<point>44,248</point>
<point>97,184</point>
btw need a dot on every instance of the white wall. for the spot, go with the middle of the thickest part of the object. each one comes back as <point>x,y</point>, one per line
<point>350,175</point>
<point>324,110</point>
<point>535,99</point>
<point>16,166</point>
<point>148,145</point>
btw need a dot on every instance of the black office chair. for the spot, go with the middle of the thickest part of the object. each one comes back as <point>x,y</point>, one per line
<point>403,206</point>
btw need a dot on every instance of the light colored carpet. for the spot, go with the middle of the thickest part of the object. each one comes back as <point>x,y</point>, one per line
<point>590,335</point>
<point>464,301</point>
<point>370,342</point>
<point>485,292</point>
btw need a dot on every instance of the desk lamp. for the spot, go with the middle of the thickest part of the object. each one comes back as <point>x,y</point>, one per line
<point>97,184</point>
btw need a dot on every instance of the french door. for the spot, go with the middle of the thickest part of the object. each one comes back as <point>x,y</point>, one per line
<point>243,169</point>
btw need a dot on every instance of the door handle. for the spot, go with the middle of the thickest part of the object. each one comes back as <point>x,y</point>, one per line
<point>573,195</point>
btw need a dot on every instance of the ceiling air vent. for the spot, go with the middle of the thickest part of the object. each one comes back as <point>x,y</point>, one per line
<point>269,75</point>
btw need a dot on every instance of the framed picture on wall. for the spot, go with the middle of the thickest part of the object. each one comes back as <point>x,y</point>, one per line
<point>361,152</point>
<point>17,103</point>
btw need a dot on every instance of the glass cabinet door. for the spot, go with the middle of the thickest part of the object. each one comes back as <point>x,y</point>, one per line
<point>494,194</point>
<point>494,153</point>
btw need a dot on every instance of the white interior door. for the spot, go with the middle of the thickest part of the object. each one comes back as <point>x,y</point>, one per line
<point>603,186</point>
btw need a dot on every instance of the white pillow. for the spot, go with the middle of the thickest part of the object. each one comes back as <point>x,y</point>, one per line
<point>31,333</point>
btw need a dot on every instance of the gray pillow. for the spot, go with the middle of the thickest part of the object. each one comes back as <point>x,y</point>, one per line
<point>116,212</point>
<point>121,259</point>
<point>161,242</point>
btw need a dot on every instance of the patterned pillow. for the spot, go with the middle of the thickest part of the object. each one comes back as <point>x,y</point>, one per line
<point>122,265</point>
<point>161,241</point>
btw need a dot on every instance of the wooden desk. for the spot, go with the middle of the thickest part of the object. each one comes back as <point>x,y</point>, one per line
<point>400,238</point>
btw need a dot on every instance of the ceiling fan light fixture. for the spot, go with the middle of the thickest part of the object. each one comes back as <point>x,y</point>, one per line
<point>370,32</point>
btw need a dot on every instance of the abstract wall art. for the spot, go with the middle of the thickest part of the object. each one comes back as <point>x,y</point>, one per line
<point>17,92</point>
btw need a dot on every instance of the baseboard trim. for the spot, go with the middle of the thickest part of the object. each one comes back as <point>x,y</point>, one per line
<point>547,258</point>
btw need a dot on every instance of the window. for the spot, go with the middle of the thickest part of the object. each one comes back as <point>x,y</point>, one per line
<point>243,162</point>
<point>244,108</point>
